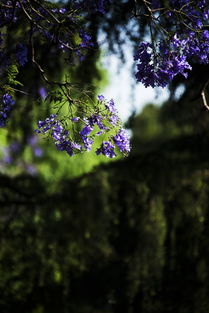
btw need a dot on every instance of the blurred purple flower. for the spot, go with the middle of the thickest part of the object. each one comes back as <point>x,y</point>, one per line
<point>32,140</point>
<point>30,169</point>
<point>38,152</point>
<point>42,92</point>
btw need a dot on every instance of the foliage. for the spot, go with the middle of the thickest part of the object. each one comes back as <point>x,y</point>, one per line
<point>68,32</point>
<point>62,31</point>
<point>130,236</point>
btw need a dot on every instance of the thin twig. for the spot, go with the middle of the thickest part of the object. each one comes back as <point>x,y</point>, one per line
<point>204,99</point>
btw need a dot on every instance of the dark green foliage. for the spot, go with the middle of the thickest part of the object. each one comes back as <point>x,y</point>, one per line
<point>130,237</point>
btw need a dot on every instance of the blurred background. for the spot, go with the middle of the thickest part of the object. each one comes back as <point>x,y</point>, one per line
<point>91,235</point>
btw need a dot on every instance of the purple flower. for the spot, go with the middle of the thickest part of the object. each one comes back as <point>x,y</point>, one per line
<point>32,140</point>
<point>68,146</point>
<point>75,119</point>
<point>15,147</point>
<point>96,119</point>
<point>110,106</point>
<point>7,159</point>
<point>60,135</point>
<point>31,169</point>
<point>47,124</point>
<point>87,143</point>
<point>8,100</point>
<point>62,10</point>
<point>86,130</point>
<point>42,92</point>
<point>75,145</point>
<point>107,149</point>
<point>114,120</point>
<point>38,152</point>
<point>86,40</point>
<point>101,98</point>
<point>122,140</point>
<point>99,133</point>
<point>103,118</point>
<point>159,62</point>
<point>57,132</point>
<point>6,107</point>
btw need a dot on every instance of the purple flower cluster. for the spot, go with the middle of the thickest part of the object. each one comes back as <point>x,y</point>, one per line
<point>86,40</point>
<point>78,133</point>
<point>159,70</point>
<point>185,41</point>
<point>43,18</point>
<point>6,107</point>
<point>10,152</point>
<point>102,122</point>
<point>58,133</point>
<point>7,15</point>
<point>11,155</point>
<point>33,143</point>
<point>107,149</point>
<point>121,139</point>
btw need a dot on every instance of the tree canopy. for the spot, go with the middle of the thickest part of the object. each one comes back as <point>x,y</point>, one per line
<point>56,44</point>
<point>127,236</point>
